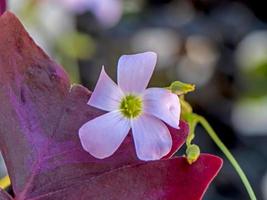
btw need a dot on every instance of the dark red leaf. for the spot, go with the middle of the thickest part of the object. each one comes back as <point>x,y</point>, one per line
<point>2,6</point>
<point>177,141</point>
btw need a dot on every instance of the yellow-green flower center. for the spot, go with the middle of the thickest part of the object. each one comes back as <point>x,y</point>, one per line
<point>131,106</point>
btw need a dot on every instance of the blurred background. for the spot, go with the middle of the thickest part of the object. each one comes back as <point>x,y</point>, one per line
<point>221,46</point>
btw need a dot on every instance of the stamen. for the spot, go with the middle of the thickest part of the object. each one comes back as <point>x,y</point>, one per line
<point>131,106</point>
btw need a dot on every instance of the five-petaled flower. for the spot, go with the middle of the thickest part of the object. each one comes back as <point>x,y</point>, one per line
<point>131,106</point>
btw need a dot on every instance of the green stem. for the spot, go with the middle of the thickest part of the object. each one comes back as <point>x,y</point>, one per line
<point>228,154</point>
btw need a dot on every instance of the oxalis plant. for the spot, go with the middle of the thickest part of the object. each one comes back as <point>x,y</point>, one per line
<point>61,141</point>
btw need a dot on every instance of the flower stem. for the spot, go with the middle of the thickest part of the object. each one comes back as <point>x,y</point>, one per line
<point>228,154</point>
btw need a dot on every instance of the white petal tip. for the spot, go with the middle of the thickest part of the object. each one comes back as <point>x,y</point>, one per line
<point>89,150</point>
<point>149,159</point>
<point>154,54</point>
<point>153,157</point>
<point>176,126</point>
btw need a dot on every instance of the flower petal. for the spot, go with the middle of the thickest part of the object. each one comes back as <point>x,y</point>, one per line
<point>135,71</point>
<point>162,104</point>
<point>106,95</point>
<point>151,137</point>
<point>102,136</point>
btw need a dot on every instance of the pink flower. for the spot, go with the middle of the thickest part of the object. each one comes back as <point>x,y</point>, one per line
<point>131,106</point>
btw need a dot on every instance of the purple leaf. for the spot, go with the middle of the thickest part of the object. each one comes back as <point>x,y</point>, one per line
<point>2,6</point>
<point>40,115</point>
